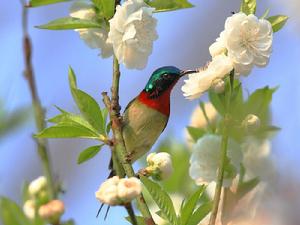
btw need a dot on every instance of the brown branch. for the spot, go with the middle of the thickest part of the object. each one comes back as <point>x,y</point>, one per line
<point>37,107</point>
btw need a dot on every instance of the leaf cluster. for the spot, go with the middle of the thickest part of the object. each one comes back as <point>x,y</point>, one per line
<point>91,123</point>
<point>192,210</point>
<point>105,10</point>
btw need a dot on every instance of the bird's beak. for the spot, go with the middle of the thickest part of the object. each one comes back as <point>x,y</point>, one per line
<point>186,72</point>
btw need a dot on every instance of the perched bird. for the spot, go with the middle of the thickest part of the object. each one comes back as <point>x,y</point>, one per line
<point>147,115</point>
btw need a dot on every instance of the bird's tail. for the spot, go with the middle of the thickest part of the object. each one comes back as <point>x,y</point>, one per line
<point>111,174</point>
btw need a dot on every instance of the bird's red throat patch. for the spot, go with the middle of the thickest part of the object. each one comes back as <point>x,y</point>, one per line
<point>161,103</point>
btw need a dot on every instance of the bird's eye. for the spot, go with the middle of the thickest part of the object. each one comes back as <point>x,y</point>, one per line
<point>166,76</point>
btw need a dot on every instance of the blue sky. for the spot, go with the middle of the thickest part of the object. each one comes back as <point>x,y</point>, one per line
<point>184,40</point>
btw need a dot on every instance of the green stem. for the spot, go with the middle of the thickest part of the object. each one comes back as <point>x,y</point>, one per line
<point>119,145</point>
<point>224,144</point>
<point>37,107</point>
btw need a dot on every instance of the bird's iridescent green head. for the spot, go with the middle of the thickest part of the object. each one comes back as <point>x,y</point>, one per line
<point>163,79</point>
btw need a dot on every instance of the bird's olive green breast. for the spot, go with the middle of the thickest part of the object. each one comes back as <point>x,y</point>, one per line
<point>142,127</point>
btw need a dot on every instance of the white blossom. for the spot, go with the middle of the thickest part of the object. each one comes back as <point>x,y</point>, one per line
<point>204,161</point>
<point>132,32</point>
<point>248,41</point>
<point>93,37</point>
<point>129,188</point>
<point>52,211</point>
<point>218,47</point>
<point>37,185</point>
<point>116,191</point>
<point>108,191</point>
<point>160,165</point>
<point>29,209</point>
<point>257,159</point>
<point>200,82</point>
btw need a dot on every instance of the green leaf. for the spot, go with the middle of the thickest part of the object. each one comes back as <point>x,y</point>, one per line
<point>266,13</point>
<point>107,7</point>
<point>218,101</point>
<point>35,3</point>
<point>25,194</point>
<point>196,133</point>
<point>89,153</point>
<point>140,220</point>
<point>277,22</point>
<point>87,105</point>
<point>162,199</point>
<point>259,101</point>
<point>169,5</point>
<point>248,7</point>
<point>189,206</point>
<point>200,213</point>
<point>72,119</point>
<point>69,23</point>
<point>11,213</point>
<point>246,187</point>
<point>69,222</point>
<point>11,121</point>
<point>66,131</point>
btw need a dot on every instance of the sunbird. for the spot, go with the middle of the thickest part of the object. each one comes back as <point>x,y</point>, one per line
<point>147,115</point>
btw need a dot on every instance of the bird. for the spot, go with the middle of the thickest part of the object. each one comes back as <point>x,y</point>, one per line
<point>147,115</point>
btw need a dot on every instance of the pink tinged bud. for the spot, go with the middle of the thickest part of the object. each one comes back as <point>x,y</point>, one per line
<point>129,188</point>
<point>52,211</point>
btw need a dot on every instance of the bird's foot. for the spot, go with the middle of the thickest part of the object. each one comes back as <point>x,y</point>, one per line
<point>129,156</point>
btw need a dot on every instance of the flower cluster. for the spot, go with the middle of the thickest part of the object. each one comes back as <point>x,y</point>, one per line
<point>39,203</point>
<point>116,191</point>
<point>205,158</point>
<point>130,34</point>
<point>93,37</point>
<point>246,41</point>
<point>159,165</point>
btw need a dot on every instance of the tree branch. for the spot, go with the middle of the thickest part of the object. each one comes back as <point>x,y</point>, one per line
<point>37,107</point>
<point>119,145</point>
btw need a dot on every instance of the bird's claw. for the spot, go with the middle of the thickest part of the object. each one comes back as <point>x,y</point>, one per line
<point>128,157</point>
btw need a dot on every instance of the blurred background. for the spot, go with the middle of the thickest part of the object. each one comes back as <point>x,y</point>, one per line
<point>184,38</point>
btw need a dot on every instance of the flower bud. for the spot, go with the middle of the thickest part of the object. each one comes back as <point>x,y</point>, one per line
<point>251,122</point>
<point>29,209</point>
<point>159,165</point>
<point>129,188</point>
<point>218,85</point>
<point>52,211</point>
<point>108,191</point>
<point>37,185</point>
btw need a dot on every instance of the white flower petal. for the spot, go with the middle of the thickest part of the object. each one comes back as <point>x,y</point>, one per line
<point>93,37</point>
<point>205,159</point>
<point>132,33</point>
<point>248,41</point>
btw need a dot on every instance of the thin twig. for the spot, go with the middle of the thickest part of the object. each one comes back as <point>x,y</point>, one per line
<point>119,145</point>
<point>224,143</point>
<point>37,107</point>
